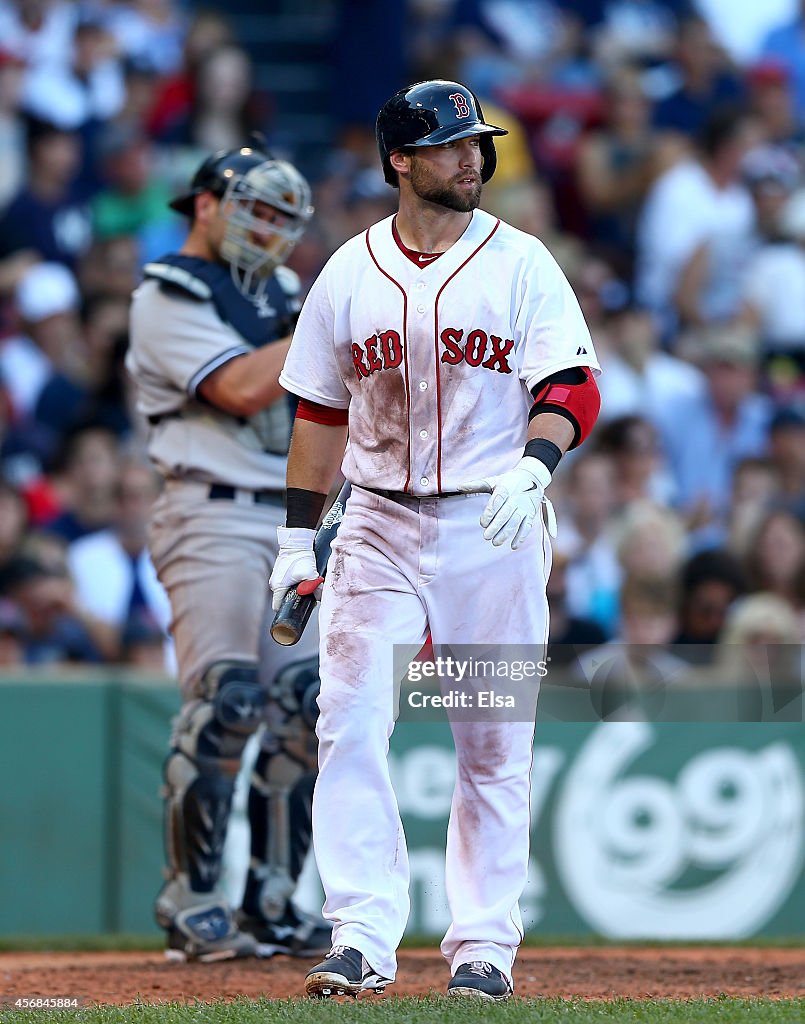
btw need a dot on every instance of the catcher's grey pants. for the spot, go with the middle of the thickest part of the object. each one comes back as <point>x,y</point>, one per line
<point>395,570</point>
<point>214,558</point>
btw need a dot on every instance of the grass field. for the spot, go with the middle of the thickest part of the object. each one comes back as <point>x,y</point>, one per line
<point>425,1011</point>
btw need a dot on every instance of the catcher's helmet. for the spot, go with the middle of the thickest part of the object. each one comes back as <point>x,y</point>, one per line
<point>428,114</point>
<point>252,246</point>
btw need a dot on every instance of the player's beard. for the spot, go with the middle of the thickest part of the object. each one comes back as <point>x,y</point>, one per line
<point>434,190</point>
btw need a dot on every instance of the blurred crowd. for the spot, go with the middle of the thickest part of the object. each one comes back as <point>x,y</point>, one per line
<point>657,149</point>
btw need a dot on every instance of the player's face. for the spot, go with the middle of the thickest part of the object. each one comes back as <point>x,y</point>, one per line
<point>266,219</point>
<point>449,175</point>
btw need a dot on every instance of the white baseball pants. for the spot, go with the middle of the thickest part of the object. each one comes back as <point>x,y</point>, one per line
<point>396,570</point>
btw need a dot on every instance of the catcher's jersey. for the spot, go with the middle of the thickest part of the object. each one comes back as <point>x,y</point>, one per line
<point>435,361</point>
<point>187,320</point>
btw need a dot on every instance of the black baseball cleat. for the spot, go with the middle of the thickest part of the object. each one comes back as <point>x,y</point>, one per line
<point>294,934</point>
<point>479,980</point>
<point>343,972</point>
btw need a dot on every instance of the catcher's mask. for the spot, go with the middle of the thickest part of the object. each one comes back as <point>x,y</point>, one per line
<point>253,246</point>
<point>428,114</point>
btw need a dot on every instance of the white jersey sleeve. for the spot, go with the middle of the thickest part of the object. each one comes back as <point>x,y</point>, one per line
<point>311,369</point>
<point>550,322</point>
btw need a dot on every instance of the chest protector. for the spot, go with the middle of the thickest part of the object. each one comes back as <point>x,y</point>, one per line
<point>258,323</point>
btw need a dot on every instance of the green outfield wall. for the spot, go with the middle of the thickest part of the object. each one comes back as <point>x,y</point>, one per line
<point>668,831</point>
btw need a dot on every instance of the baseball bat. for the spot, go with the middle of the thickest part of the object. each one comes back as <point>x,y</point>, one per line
<point>292,616</point>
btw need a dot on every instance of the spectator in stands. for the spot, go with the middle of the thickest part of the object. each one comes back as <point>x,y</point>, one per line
<point>208,30</point>
<point>787,451</point>
<point>704,437</point>
<point>772,174</point>
<point>650,540</point>
<point>776,556</point>
<point>147,31</point>
<point>13,521</point>
<point>786,45</point>
<point>111,268</point>
<point>12,630</point>
<point>695,234</point>
<point>773,296</point>
<point>12,127</point>
<point>704,80</point>
<point>771,102</point>
<point>641,472</point>
<point>224,109</point>
<point>48,215</point>
<point>639,378</point>
<point>593,572</point>
<point>55,631</point>
<point>760,649</point>
<point>500,44</point>
<point>89,87</point>
<point>615,165</point>
<point>112,571</point>
<point>756,487</point>
<point>94,394</point>
<point>38,32</point>
<point>628,675</point>
<point>142,647</point>
<point>85,478</point>
<point>637,32</point>
<point>47,300</point>
<point>710,581</point>
<point>133,199</point>
<point>569,635</point>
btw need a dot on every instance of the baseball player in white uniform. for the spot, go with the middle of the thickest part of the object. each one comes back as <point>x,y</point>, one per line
<point>210,328</point>
<point>451,350</point>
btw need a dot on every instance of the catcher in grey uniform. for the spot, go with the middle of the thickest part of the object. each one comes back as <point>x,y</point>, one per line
<point>210,329</point>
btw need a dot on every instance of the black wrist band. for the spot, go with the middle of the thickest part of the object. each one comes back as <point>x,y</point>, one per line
<point>546,451</point>
<point>304,508</point>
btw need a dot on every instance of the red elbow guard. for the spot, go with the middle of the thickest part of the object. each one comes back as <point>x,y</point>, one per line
<point>578,400</point>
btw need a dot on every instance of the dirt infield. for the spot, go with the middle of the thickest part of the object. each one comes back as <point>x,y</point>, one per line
<point>600,973</point>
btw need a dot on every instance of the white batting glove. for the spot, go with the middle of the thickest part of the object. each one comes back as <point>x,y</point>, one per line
<point>517,500</point>
<point>295,563</point>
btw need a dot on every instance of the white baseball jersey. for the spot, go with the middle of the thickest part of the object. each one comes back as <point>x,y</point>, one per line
<point>435,361</point>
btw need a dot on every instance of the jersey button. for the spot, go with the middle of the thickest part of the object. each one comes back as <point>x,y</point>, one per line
<point>423,385</point>
<point>420,286</point>
<point>423,434</point>
<point>424,481</point>
<point>420,308</point>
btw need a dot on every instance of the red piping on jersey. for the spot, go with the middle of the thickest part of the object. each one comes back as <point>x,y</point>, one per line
<point>405,350</point>
<point>436,344</point>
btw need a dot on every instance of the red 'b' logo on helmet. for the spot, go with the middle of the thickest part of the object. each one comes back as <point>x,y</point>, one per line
<point>462,108</point>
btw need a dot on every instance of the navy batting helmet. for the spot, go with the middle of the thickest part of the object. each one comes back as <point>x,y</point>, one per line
<point>428,114</point>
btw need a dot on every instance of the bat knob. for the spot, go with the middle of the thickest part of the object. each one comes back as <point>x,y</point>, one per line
<point>284,633</point>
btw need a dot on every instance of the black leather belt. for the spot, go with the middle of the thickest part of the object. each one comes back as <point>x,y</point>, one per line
<point>405,496</point>
<point>225,492</point>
